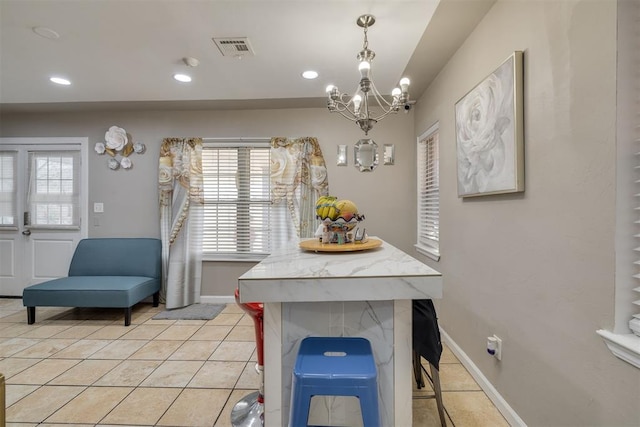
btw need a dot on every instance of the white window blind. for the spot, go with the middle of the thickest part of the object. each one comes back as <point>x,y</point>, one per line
<point>634,323</point>
<point>54,189</point>
<point>236,178</point>
<point>428,239</point>
<point>8,189</point>
<point>629,42</point>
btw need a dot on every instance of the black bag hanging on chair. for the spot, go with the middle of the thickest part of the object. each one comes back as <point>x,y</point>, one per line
<point>426,335</point>
<point>426,344</point>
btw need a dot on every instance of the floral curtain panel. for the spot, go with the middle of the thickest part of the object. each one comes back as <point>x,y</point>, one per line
<point>298,179</point>
<point>181,220</point>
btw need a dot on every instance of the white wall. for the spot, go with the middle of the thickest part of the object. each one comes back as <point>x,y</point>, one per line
<point>537,268</point>
<point>386,196</point>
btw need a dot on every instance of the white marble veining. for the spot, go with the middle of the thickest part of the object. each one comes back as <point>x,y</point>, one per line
<point>366,294</point>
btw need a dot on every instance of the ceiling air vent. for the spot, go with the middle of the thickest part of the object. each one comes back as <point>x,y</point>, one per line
<point>234,46</point>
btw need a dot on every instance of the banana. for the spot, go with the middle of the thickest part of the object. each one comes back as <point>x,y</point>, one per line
<point>333,213</point>
<point>324,205</point>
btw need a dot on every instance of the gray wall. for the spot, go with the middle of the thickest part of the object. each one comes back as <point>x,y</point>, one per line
<point>386,196</point>
<point>537,268</point>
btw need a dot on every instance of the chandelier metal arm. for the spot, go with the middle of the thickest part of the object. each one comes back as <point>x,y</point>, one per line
<point>387,108</point>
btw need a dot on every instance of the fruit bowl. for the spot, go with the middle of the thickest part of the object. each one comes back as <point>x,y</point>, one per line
<point>342,225</point>
<point>338,218</point>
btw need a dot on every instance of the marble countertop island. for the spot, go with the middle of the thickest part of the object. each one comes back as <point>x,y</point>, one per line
<point>384,273</point>
<point>363,293</point>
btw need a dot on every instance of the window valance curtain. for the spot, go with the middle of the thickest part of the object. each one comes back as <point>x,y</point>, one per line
<point>181,220</point>
<point>298,179</point>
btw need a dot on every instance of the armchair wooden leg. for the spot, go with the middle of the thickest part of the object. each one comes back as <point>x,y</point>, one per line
<point>31,315</point>
<point>156,299</point>
<point>127,316</point>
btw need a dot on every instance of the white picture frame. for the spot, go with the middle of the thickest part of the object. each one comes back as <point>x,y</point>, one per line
<point>490,133</point>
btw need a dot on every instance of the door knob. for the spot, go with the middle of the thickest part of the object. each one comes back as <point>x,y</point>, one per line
<point>26,232</point>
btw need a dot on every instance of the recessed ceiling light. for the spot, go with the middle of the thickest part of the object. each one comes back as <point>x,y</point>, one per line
<point>182,78</point>
<point>60,81</point>
<point>310,75</point>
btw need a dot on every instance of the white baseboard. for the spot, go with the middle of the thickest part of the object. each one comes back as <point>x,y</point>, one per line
<point>213,299</point>
<point>507,411</point>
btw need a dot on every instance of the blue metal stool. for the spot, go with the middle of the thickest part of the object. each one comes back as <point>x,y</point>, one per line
<point>334,366</point>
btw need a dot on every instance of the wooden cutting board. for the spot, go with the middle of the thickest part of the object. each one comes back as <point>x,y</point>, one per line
<point>316,246</point>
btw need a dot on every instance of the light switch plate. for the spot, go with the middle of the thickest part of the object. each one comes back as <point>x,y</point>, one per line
<point>98,207</point>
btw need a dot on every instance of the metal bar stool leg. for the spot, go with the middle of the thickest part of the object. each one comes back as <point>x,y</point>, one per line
<point>435,376</point>
<point>417,370</point>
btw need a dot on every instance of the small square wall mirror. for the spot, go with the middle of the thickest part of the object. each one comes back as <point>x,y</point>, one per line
<point>365,155</point>
<point>388,154</point>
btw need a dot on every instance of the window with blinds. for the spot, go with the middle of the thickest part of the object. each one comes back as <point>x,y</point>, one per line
<point>634,322</point>
<point>237,201</point>
<point>53,197</point>
<point>629,61</point>
<point>620,341</point>
<point>428,239</point>
<point>8,189</point>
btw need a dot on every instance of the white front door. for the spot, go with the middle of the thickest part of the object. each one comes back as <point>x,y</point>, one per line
<point>43,208</point>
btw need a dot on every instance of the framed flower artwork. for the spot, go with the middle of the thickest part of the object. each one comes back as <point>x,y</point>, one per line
<point>490,133</point>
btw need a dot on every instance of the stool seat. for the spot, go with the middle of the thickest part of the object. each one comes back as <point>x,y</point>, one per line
<point>334,366</point>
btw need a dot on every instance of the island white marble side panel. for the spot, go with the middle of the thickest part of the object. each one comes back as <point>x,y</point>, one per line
<point>403,344</point>
<point>272,324</point>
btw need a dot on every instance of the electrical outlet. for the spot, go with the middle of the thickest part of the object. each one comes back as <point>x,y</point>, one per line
<point>498,354</point>
<point>98,207</point>
<point>494,346</point>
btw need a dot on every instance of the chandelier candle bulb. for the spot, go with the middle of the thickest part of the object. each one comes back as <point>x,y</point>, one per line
<point>357,99</point>
<point>364,68</point>
<point>404,84</point>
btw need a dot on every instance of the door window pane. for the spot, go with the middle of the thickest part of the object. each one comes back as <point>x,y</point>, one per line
<point>54,188</point>
<point>8,188</point>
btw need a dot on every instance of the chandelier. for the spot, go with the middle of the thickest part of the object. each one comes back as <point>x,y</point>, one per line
<point>356,108</point>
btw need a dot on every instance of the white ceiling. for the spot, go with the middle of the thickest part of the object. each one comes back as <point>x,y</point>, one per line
<point>128,50</point>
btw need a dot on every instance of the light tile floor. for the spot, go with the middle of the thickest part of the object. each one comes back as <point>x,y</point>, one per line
<point>83,367</point>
